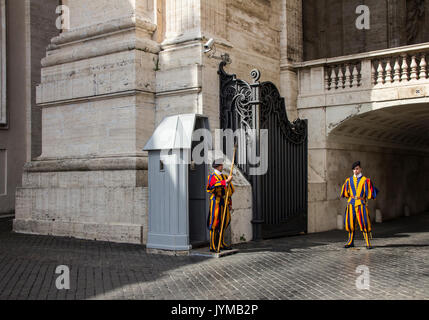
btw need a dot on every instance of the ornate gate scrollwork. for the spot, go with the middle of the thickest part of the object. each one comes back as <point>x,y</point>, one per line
<point>279,195</point>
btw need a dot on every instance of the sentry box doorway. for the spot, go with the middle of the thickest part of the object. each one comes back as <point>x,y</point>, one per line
<point>178,201</point>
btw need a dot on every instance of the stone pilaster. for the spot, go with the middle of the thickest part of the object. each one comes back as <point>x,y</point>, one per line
<point>397,16</point>
<point>291,49</point>
<point>292,52</point>
<point>97,95</point>
<point>187,80</point>
<point>178,79</point>
<point>183,68</point>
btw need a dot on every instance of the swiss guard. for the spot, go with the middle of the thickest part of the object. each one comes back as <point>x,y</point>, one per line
<point>358,189</point>
<point>217,186</point>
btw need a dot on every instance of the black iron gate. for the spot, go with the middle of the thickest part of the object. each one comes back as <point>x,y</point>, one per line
<point>280,191</point>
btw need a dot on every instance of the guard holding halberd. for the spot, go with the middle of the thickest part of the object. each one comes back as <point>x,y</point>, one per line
<point>217,185</point>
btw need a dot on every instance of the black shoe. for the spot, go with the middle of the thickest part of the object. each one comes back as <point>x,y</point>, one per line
<point>212,250</point>
<point>369,248</point>
<point>226,248</point>
<point>349,246</point>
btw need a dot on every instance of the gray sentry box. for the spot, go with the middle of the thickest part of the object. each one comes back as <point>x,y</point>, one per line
<point>178,201</point>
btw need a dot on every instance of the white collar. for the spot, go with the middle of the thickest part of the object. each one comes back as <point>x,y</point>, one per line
<point>359,175</point>
<point>218,172</point>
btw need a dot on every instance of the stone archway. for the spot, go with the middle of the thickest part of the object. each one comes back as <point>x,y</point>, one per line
<point>393,145</point>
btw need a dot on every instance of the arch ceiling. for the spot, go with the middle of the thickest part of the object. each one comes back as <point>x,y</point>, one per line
<point>406,125</point>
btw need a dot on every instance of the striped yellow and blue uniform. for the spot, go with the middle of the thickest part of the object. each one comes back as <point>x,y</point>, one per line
<point>358,191</point>
<point>217,187</point>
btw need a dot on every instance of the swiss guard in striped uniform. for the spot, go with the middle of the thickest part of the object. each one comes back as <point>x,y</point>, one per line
<point>217,185</point>
<point>358,189</point>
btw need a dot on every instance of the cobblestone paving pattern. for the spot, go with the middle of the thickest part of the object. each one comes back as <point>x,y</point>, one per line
<point>314,266</point>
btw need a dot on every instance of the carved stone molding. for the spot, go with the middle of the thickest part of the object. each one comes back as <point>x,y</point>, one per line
<point>130,162</point>
<point>94,41</point>
<point>103,29</point>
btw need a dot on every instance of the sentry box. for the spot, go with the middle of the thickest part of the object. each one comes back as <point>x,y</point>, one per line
<point>178,201</point>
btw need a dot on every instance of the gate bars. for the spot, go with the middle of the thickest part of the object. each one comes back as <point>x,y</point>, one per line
<point>279,197</point>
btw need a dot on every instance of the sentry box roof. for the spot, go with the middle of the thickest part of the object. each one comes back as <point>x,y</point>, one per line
<point>175,132</point>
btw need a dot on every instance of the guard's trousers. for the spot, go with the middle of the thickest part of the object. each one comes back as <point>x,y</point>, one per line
<point>367,236</point>
<point>358,214</point>
<point>215,222</point>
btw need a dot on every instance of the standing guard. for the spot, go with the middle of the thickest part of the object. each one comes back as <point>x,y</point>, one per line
<point>358,189</point>
<point>217,185</point>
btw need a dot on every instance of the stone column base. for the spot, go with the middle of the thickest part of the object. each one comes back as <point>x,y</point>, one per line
<point>123,233</point>
<point>98,199</point>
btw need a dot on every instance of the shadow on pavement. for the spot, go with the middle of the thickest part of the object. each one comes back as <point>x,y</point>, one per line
<point>403,246</point>
<point>116,269</point>
<point>95,266</point>
<point>393,229</point>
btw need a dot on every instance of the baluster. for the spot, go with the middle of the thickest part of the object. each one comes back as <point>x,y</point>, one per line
<point>336,76</point>
<point>388,72</point>
<point>348,76</point>
<point>332,77</point>
<point>356,80</point>
<point>340,77</point>
<point>327,76</point>
<point>413,68</point>
<point>397,68</point>
<point>373,79</point>
<point>404,67</point>
<point>423,65</point>
<point>380,73</point>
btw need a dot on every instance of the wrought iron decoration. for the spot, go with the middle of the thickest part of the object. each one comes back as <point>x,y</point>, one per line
<point>272,102</point>
<point>238,96</point>
<point>280,195</point>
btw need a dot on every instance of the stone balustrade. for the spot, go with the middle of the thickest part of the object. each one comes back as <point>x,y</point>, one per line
<point>357,78</point>
<point>400,68</point>
<point>371,106</point>
<point>342,76</point>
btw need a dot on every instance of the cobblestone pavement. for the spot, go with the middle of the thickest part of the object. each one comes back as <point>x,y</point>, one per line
<point>312,266</point>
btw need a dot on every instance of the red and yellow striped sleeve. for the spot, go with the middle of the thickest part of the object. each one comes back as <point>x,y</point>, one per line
<point>370,190</point>
<point>214,183</point>
<point>345,189</point>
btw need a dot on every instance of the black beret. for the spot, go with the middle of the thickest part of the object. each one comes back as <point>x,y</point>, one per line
<point>357,163</point>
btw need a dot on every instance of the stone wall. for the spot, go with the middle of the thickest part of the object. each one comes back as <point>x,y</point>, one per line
<point>249,31</point>
<point>42,29</point>
<point>400,175</point>
<point>253,29</point>
<point>399,170</point>
<point>13,135</point>
<point>97,205</point>
<point>126,64</point>
<point>382,123</point>
<point>103,90</point>
<point>97,97</point>
<point>330,30</point>
<point>30,26</point>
